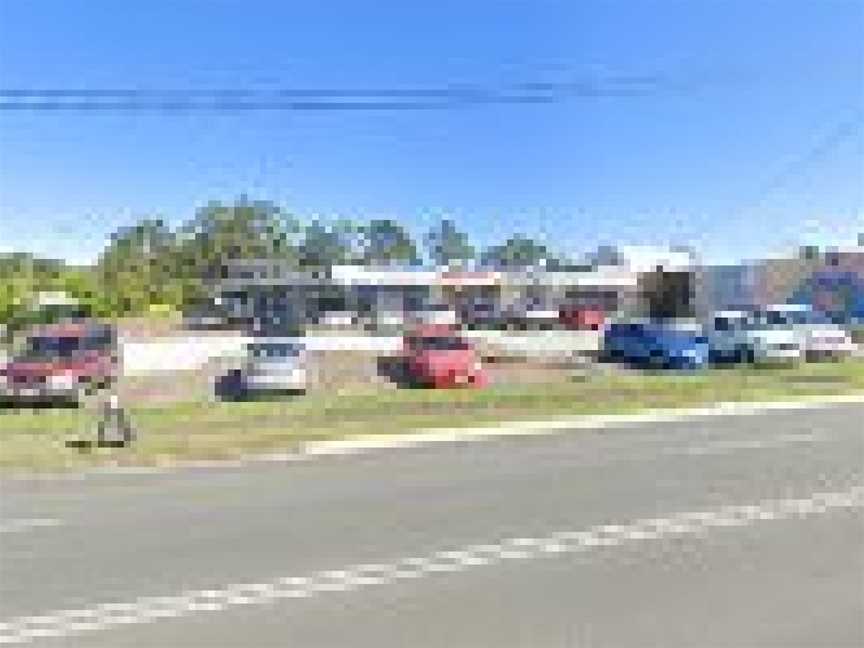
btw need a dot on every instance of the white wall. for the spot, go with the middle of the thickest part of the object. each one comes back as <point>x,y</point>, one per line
<point>188,353</point>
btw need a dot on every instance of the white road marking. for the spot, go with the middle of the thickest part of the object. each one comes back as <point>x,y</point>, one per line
<point>148,609</point>
<point>17,525</point>
<point>725,446</point>
<point>370,442</point>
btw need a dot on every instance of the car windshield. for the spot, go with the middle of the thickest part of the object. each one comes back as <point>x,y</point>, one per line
<point>440,343</point>
<point>787,318</point>
<point>65,346</point>
<point>47,347</point>
<point>670,336</point>
<point>807,317</point>
<point>274,350</point>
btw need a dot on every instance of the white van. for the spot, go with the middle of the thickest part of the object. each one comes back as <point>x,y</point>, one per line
<point>820,337</point>
<point>742,336</point>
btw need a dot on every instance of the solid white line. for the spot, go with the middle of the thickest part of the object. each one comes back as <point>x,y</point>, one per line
<point>363,443</point>
<point>149,609</point>
<point>25,524</point>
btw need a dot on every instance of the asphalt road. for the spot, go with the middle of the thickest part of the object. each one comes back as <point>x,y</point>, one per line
<point>723,531</point>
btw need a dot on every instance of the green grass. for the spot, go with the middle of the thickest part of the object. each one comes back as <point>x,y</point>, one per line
<point>34,440</point>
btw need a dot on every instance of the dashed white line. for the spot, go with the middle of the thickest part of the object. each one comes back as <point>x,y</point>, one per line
<point>149,609</point>
<point>25,524</point>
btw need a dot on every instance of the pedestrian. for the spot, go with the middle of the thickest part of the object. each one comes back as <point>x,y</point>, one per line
<point>114,428</point>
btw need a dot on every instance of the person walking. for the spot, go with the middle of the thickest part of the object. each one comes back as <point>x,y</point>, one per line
<point>114,429</point>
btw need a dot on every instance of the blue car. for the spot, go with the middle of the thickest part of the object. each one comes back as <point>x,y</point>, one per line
<point>656,345</point>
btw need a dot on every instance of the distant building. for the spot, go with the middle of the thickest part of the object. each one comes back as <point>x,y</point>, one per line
<point>666,279</point>
<point>831,281</point>
<point>270,293</point>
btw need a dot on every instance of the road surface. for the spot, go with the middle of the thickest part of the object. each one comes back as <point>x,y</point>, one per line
<point>731,531</point>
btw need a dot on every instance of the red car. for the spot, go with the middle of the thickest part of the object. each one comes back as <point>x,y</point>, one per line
<point>582,318</point>
<point>437,356</point>
<point>62,362</point>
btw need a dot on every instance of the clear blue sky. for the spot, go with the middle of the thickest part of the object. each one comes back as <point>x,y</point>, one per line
<point>737,152</point>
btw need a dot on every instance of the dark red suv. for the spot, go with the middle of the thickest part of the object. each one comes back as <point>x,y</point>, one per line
<point>61,362</point>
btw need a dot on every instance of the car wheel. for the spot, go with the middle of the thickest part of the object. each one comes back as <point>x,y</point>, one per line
<point>78,398</point>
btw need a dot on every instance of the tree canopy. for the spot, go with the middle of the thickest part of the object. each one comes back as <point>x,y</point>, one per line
<point>446,245</point>
<point>517,252</point>
<point>148,263</point>
<point>323,246</point>
<point>385,241</point>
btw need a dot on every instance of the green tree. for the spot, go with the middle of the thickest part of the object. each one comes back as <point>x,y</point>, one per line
<point>517,252</point>
<point>809,252</point>
<point>138,268</point>
<point>17,284</point>
<point>22,276</point>
<point>445,244</point>
<point>384,241</point>
<point>221,233</point>
<point>325,246</point>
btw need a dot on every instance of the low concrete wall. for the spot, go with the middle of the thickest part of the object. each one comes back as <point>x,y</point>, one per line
<point>142,357</point>
<point>540,345</point>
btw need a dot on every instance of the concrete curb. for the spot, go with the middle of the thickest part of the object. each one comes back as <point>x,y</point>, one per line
<point>358,444</point>
<point>367,443</point>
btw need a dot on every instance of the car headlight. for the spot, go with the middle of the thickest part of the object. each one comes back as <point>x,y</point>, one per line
<point>62,381</point>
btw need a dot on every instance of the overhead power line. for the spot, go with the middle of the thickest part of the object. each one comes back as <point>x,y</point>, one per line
<point>828,141</point>
<point>239,99</point>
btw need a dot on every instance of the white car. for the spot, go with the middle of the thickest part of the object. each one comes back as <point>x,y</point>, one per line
<point>820,337</point>
<point>337,319</point>
<point>274,365</point>
<point>741,336</point>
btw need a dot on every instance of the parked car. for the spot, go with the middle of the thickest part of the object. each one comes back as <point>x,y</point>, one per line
<point>387,322</point>
<point>61,363</point>
<point>272,366</point>
<point>431,314</point>
<point>481,314</point>
<point>742,336</point>
<point>656,344</point>
<point>582,318</point>
<point>530,316</point>
<point>437,356</point>
<point>337,319</point>
<point>820,337</point>
<point>203,320</point>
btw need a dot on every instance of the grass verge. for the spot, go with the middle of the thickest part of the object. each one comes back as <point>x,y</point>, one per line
<point>34,440</point>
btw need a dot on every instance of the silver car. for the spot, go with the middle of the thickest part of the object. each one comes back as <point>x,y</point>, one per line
<point>274,365</point>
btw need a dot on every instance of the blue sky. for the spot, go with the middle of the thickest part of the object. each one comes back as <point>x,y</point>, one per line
<point>751,142</point>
